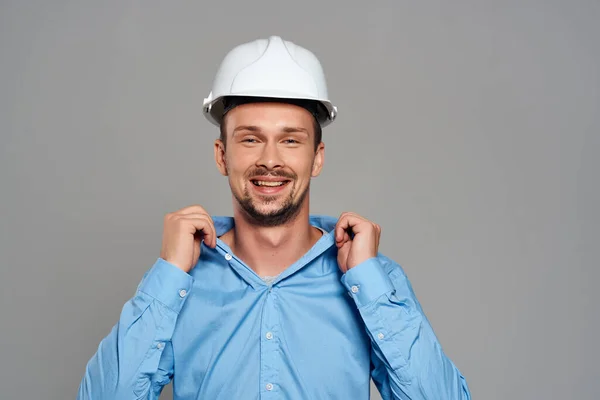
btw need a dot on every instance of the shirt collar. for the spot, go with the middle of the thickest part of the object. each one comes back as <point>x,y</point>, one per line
<point>224,224</point>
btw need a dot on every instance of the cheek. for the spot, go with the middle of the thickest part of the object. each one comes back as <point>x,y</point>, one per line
<point>309,163</point>
<point>237,164</point>
<point>304,171</point>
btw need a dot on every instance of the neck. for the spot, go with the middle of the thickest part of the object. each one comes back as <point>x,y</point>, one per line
<point>270,250</point>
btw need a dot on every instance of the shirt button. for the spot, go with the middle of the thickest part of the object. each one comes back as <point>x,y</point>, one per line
<point>269,386</point>
<point>269,335</point>
<point>380,336</point>
<point>182,293</point>
<point>159,345</point>
<point>228,256</point>
<point>354,289</point>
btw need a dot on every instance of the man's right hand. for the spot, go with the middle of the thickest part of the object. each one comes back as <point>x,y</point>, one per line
<point>183,232</point>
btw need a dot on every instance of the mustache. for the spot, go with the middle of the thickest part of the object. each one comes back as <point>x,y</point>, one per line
<point>272,173</point>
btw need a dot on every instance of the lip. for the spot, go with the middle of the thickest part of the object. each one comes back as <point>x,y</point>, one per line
<point>269,190</point>
<point>269,178</point>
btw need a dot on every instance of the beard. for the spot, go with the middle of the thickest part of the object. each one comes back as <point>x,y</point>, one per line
<point>288,210</point>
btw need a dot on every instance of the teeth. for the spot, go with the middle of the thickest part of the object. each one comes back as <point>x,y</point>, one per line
<point>266,183</point>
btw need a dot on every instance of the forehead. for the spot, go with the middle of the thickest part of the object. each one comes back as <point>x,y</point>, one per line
<point>269,116</point>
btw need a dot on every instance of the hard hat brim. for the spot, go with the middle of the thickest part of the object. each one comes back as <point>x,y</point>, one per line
<point>213,108</point>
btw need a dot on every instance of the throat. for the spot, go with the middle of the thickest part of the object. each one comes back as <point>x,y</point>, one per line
<point>269,253</point>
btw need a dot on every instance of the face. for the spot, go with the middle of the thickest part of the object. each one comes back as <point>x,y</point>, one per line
<point>269,158</point>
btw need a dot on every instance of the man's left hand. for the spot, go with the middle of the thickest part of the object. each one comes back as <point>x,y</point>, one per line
<point>357,240</point>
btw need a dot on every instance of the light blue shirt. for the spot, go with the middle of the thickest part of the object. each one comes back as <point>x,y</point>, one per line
<point>221,332</point>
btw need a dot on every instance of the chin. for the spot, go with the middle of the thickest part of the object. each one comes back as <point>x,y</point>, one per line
<point>267,210</point>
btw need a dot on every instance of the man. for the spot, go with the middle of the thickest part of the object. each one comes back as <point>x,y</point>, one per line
<point>272,303</point>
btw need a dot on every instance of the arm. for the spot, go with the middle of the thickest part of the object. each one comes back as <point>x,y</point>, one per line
<point>408,360</point>
<point>135,361</point>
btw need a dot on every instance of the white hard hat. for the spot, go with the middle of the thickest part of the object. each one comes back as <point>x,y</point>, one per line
<point>269,68</point>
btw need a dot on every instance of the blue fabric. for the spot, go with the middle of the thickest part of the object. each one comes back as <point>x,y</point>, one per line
<point>221,332</point>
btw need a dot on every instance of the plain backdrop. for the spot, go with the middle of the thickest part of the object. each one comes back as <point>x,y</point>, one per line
<point>468,129</point>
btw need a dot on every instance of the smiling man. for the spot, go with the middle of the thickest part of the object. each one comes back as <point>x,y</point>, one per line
<point>273,302</point>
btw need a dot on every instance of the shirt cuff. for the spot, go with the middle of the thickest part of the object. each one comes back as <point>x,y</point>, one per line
<point>167,284</point>
<point>367,281</point>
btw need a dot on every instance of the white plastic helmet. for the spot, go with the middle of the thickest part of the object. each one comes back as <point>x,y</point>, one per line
<point>271,68</point>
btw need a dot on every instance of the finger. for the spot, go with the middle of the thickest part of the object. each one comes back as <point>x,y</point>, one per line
<point>196,213</point>
<point>348,221</point>
<point>201,215</point>
<point>345,239</point>
<point>341,226</point>
<point>204,224</point>
<point>211,238</point>
<point>193,209</point>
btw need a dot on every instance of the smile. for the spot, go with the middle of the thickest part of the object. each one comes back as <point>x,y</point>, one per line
<point>269,183</point>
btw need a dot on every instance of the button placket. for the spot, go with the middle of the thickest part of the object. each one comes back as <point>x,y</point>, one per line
<point>269,349</point>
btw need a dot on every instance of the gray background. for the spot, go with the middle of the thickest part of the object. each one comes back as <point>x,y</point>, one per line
<point>468,129</point>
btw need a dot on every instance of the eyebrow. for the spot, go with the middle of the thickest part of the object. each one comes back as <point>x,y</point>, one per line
<point>254,128</point>
<point>291,129</point>
<point>246,128</point>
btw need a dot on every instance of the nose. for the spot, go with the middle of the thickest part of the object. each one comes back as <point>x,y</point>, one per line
<point>270,157</point>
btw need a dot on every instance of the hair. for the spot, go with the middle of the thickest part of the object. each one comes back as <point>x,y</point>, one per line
<point>316,127</point>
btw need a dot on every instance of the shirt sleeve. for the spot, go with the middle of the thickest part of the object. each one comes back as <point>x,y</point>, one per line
<point>408,360</point>
<point>135,360</point>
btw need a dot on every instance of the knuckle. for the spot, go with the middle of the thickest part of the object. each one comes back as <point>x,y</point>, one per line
<point>169,218</point>
<point>178,221</point>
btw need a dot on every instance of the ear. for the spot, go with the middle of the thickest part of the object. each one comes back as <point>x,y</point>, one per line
<point>220,157</point>
<point>319,160</point>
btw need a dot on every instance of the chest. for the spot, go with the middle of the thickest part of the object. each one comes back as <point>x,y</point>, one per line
<point>303,331</point>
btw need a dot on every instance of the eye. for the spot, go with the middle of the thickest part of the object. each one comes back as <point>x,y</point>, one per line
<point>249,140</point>
<point>291,141</point>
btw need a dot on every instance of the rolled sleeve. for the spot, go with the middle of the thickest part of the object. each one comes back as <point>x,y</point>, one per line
<point>167,284</point>
<point>367,282</point>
